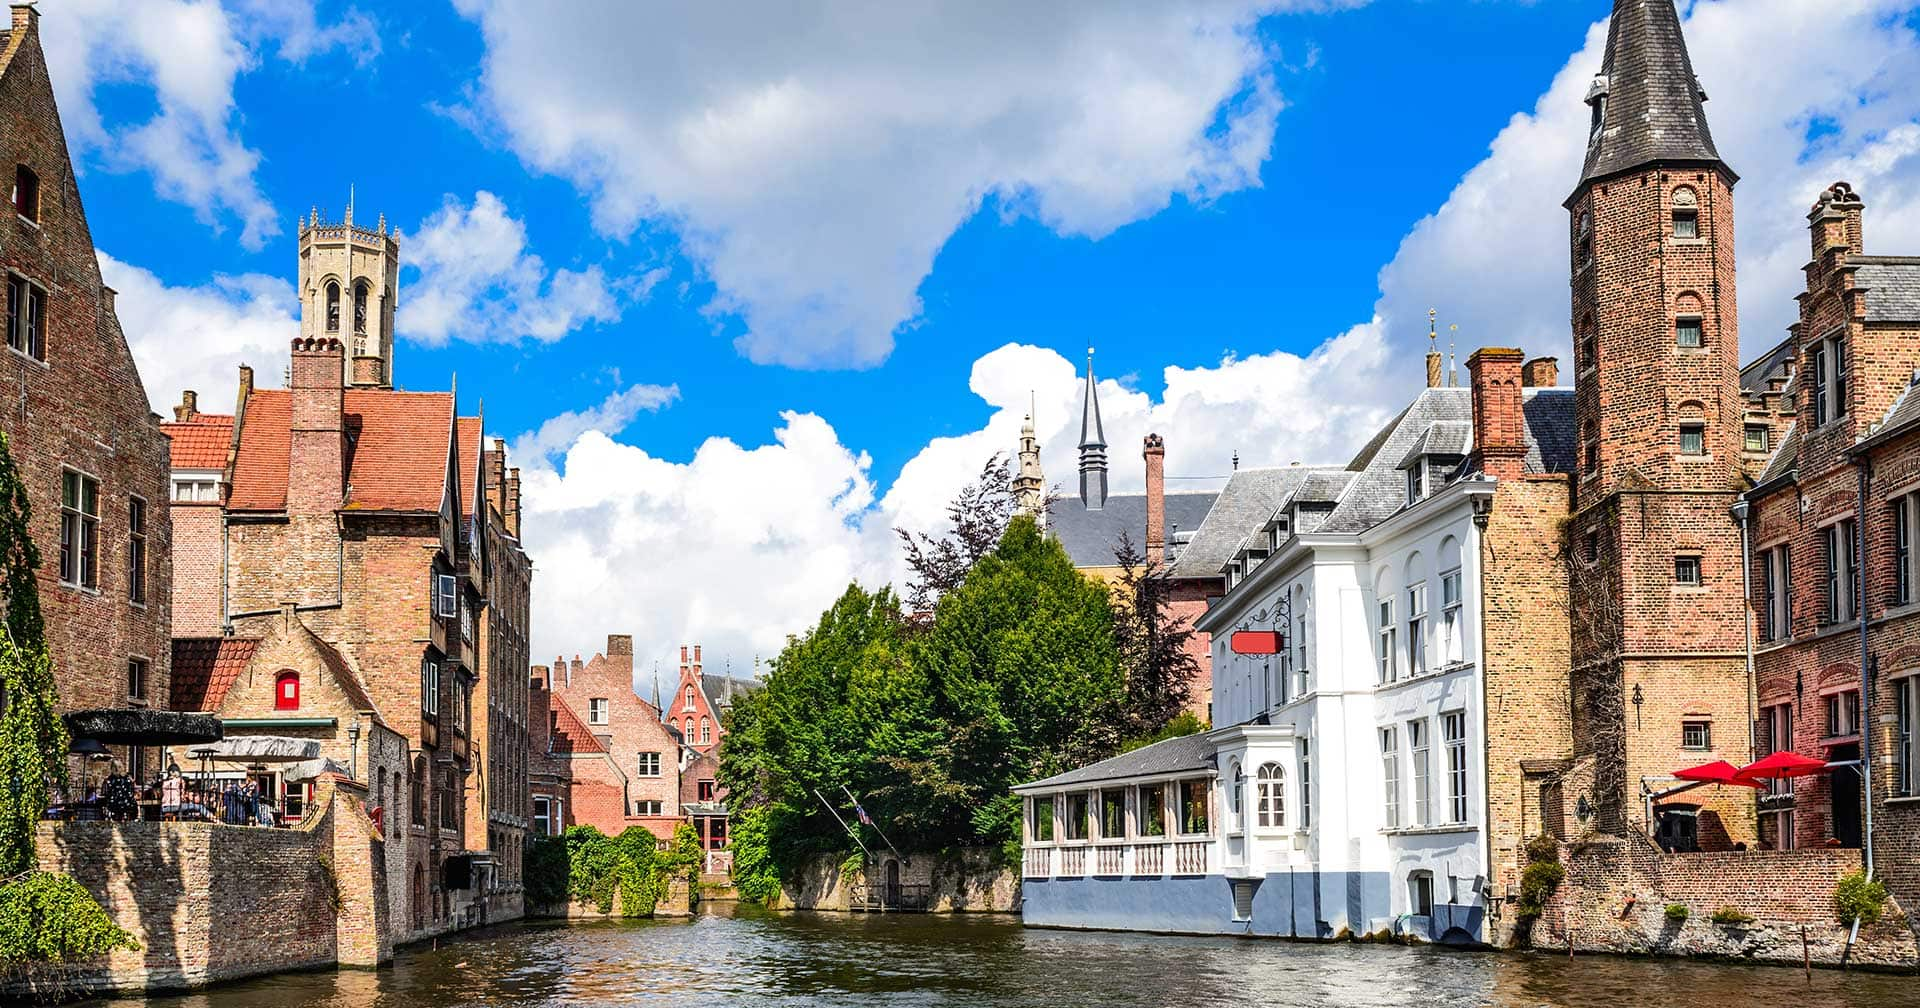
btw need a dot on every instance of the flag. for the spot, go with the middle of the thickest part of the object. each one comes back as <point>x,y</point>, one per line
<point>865,819</point>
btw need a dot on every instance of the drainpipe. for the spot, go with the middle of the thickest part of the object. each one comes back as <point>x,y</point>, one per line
<point>1743,514</point>
<point>1864,467</point>
<point>1482,513</point>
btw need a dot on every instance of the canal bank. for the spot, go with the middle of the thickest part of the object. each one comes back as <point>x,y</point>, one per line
<point>745,956</point>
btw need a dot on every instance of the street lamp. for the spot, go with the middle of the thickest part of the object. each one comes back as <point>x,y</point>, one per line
<point>353,749</point>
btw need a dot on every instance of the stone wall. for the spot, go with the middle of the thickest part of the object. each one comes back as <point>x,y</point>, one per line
<point>1617,892</point>
<point>967,882</point>
<point>209,902</point>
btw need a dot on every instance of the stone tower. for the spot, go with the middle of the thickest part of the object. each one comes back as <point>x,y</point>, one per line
<point>349,276</point>
<point>1652,552</point>
<point>1029,486</point>
<point>1093,447</point>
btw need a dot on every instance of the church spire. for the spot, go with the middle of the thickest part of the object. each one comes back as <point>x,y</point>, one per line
<point>1647,104</point>
<point>1093,447</point>
<point>1029,486</point>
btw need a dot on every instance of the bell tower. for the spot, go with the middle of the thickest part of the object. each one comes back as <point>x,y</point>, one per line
<point>349,276</point>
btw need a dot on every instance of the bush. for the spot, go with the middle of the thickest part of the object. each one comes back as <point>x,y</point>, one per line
<point>1537,884</point>
<point>1729,916</point>
<point>46,918</point>
<point>1543,848</point>
<point>1677,912</point>
<point>755,875</point>
<point>544,866</point>
<point>1860,898</point>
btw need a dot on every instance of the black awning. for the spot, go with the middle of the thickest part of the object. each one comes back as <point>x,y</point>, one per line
<point>135,726</point>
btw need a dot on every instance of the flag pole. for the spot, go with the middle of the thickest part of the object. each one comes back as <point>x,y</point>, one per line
<point>858,810</point>
<point>843,823</point>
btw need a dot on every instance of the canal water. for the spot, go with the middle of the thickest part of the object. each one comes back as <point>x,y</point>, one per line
<point>749,957</point>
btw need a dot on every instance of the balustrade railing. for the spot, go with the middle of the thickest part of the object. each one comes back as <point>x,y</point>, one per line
<point>1037,862</point>
<point>1110,860</point>
<point>1073,862</point>
<point>1150,859</point>
<point>1190,857</point>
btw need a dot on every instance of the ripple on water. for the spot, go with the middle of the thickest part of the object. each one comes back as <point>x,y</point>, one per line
<point>753,958</point>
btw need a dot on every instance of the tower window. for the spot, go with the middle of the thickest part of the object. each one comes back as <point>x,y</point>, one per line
<point>26,317</point>
<point>1693,439</point>
<point>333,307</point>
<point>1757,438</point>
<point>26,192</point>
<point>1686,332</point>
<point>1686,571</point>
<point>1829,385</point>
<point>361,295</point>
<point>1686,213</point>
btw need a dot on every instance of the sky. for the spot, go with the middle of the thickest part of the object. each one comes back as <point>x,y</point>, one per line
<point>747,287</point>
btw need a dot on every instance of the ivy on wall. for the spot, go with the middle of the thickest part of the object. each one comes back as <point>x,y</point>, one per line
<point>627,872</point>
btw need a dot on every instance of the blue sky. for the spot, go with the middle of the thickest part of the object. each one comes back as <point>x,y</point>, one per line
<point>786,279</point>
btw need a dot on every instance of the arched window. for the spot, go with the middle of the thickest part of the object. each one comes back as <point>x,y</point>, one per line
<point>1272,782</point>
<point>286,691</point>
<point>1693,428</point>
<point>1583,240</point>
<point>420,791</point>
<point>706,731</point>
<point>333,306</point>
<point>361,295</point>
<point>1236,786</point>
<point>1686,213</point>
<point>689,703</point>
<point>1687,315</point>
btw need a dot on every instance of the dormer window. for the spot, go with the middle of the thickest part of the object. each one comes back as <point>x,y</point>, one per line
<point>1417,481</point>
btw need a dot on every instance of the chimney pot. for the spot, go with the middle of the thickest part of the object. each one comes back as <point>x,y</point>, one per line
<point>1154,451</point>
<point>1499,438</point>
<point>1540,372</point>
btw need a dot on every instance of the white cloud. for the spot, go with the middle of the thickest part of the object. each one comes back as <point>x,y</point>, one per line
<point>196,337</point>
<point>1493,257</point>
<point>476,281</point>
<point>612,415</point>
<point>188,54</point>
<point>813,158</point>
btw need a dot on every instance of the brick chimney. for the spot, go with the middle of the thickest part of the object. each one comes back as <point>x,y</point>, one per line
<point>1499,438</point>
<point>511,510</point>
<point>1155,453</point>
<point>696,659</point>
<point>619,644</point>
<point>1540,372</point>
<point>1434,377</point>
<point>538,679</point>
<point>189,406</point>
<point>316,470</point>
<point>496,478</point>
<point>1836,220</point>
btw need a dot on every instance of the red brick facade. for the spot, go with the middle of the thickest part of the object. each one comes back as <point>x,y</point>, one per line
<point>78,416</point>
<point>644,753</point>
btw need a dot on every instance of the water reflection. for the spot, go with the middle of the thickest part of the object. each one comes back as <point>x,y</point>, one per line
<point>754,958</point>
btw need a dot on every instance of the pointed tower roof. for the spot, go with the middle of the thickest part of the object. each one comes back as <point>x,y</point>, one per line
<point>1647,102</point>
<point>1092,435</point>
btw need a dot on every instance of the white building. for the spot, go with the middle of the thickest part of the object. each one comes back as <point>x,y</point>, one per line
<point>1345,788</point>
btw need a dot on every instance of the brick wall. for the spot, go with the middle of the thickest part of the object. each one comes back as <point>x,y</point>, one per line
<point>196,569</point>
<point>209,902</point>
<point>83,408</point>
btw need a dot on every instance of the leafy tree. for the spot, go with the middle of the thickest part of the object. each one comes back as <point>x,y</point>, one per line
<point>33,740</point>
<point>977,518</point>
<point>1021,662</point>
<point>1152,643</point>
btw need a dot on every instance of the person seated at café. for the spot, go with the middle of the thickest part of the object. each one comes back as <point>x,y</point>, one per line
<point>175,802</point>
<point>116,795</point>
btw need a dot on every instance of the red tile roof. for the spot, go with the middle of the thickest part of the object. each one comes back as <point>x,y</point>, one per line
<point>397,461</point>
<point>467,448</point>
<point>200,443</point>
<point>570,734</point>
<point>204,668</point>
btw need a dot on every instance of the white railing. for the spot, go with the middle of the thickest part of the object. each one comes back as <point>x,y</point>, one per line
<point>1037,862</point>
<point>1110,860</point>
<point>1150,859</point>
<point>1073,862</point>
<point>1190,857</point>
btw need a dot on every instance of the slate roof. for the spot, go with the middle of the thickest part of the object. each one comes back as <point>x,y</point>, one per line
<point>1242,506</point>
<point>205,668</point>
<point>1443,437</point>
<point>1760,373</point>
<point>1893,287</point>
<point>397,460</point>
<point>1186,754</point>
<point>200,443</point>
<point>1089,537</point>
<point>715,686</point>
<point>1785,456</point>
<point>1654,103</point>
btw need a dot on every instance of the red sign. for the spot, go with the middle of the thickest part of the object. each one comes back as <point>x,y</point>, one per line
<point>1255,642</point>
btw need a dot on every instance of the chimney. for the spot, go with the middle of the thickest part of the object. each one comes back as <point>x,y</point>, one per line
<point>1836,219</point>
<point>1540,372</point>
<point>317,467</point>
<point>575,669</point>
<point>696,659</point>
<point>538,680</point>
<point>619,644</point>
<point>25,16</point>
<point>496,470</point>
<point>1434,372</point>
<point>683,659</point>
<point>1499,440</point>
<point>189,405</point>
<point>511,510</point>
<point>1155,453</point>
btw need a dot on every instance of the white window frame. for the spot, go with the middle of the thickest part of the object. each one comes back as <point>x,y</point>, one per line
<point>648,764</point>
<point>1840,541</point>
<point>597,710</point>
<point>1302,672</point>
<point>26,306</point>
<point>1389,655</point>
<point>1270,782</point>
<point>1906,740</point>
<point>1776,593</point>
<point>79,532</point>
<point>1452,626</point>
<point>446,596</point>
<point>1420,747</point>
<point>1390,773</point>
<point>1306,784</point>
<point>1704,727</point>
<point>429,685</point>
<point>137,556</point>
<point>1417,629</point>
<point>1453,729</point>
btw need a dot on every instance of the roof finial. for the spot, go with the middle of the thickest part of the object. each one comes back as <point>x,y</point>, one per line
<point>1236,460</point>
<point>1453,375</point>
<point>1093,446</point>
<point>349,203</point>
<point>1433,335</point>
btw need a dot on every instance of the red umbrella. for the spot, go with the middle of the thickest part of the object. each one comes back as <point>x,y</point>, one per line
<point>1780,766</point>
<point>1716,772</point>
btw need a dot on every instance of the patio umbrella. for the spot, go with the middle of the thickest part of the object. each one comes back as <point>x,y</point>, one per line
<point>262,749</point>
<point>135,726</point>
<point>1779,766</point>
<point>311,769</point>
<point>1716,772</point>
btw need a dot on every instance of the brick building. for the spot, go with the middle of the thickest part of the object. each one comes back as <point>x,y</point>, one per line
<point>696,711</point>
<point>378,523</point>
<point>1832,557</point>
<point>598,696</point>
<point>89,449</point>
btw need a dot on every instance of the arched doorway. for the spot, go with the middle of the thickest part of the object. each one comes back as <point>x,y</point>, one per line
<point>892,900</point>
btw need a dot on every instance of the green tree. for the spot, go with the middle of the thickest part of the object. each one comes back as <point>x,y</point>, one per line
<point>33,740</point>
<point>1153,644</point>
<point>1024,675</point>
<point>976,519</point>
